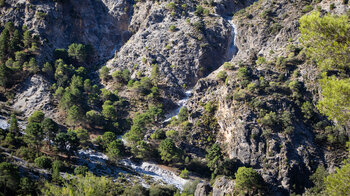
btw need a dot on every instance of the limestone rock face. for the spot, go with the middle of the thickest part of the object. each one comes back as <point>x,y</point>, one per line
<point>203,189</point>
<point>34,95</point>
<point>189,51</point>
<point>223,186</point>
<point>101,24</point>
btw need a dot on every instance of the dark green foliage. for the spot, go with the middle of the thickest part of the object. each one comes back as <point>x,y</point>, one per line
<point>48,69</point>
<point>61,54</point>
<point>158,134</point>
<point>67,143</point>
<point>94,117</point>
<point>15,42</point>
<point>104,73</point>
<point>27,39</point>
<point>228,66</point>
<point>43,162</point>
<point>161,190</point>
<point>183,114</point>
<point>142,149</point>
<point>190,187</point>
<point>4,72</point>
<point>317,179</point>
<point>63,73</point>
<point>56,168</point>
<point>84,185</point>
<point>307,109</point>
<point>140,123</point>
<point>107,138</point>
<point>214,158</point>
<point>34,135</point>
<point>248,181</point>
<point>136,190</point>
<point>122,76</point>
<point>109,111</point>
<point>26,187</point>
<point>83,136</point>
<point>172,28</point>
<point>115,149</point>
<point>9,178</point>
<point>168,151</point>
<point>184,174</point>
<point>81,170</point>
<point>78,52</point>
<point>4,44</point>
<point>36,117</point>
<point>74,114</point>
<point>33,66</point>
<point>144,86</point>
<point>269,120</point>
<point>50,128</point>
<point>199,10</point>
<point>14,125</point>
<point>222,75</point>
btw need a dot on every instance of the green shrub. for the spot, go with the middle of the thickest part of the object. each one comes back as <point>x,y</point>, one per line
<point>43,162</point>
<point>183,114</point>
<point>184,174</point>
<point>261,60</point>
<point>161,190</point>
<point>248,180</point>
<point>307,110</point>
<point>171,134</point>
<point>222,75</point>
<point>172,28</point>
<point>171,6</point>
<point>158,134</point>
<point>228,66</point>
<point>81,170</point>
<point>332,6</point>
<point>269,119</point>
<point>199,10</point>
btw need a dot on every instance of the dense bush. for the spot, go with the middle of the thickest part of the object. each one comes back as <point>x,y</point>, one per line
<point>248,181</point>
<point>43,162</point>
<point>81,170</point>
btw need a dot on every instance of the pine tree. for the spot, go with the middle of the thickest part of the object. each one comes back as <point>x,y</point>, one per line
<point>33,66</point>
<point>14,125</point>
<point>4,44</point>
<point>50,128</point>
<point>34,135</point>
<point>15,42</point>
<point>48,69</point>
<point>27,39</point>
<point>4,71</point>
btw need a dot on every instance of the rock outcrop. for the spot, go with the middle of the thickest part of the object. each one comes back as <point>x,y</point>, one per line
<point>203,189</point>
<point>34,95</point>
<point>102,24</point>
<point>184,46</point>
